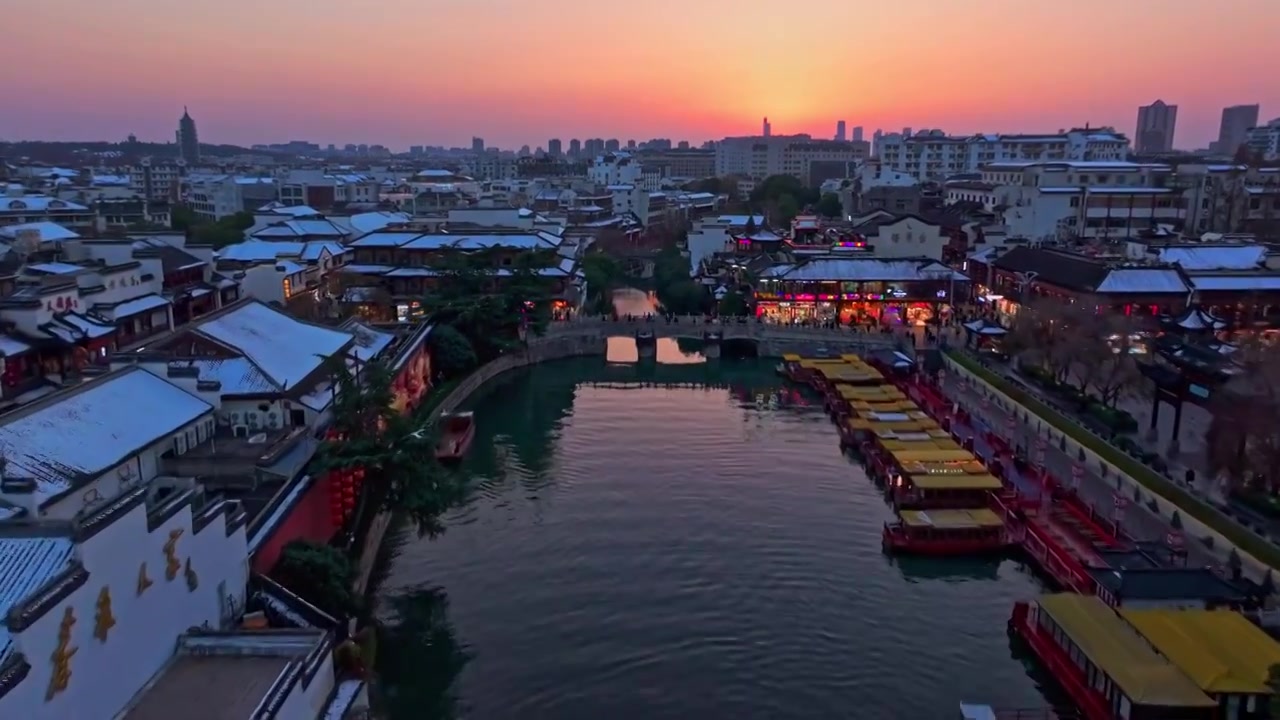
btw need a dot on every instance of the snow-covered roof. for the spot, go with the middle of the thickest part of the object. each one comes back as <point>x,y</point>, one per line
<point>437,241</point>
<point>1195,318</point>
<point>73,327</point>
<point>297,211</point>
<point>982,327</point>
<point>48,231</point>
<point>54,268</point>
<point>38,203</point>
<point>269,251</point>
<point>739,220</point>
<point>369,342</point>
<point>1228,283</point>
<point>12,346</point>
<point>72,437</point>
<point>1143,280</point>
<point>363,223</point>
<point>137,305</point>
<point>1232,257</point>
<point>567,267</point>
<point>237,375</point>
<point>309,227</point>
<point>863,269</point>
<point>312,251</point>
<point>285,349</point>
<point>26,565</point>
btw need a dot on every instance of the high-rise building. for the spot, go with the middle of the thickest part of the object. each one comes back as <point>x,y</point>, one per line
<point>1234,130</point>
<point>188,140</point>
<point>906,132</point>
<point>477,145</point>
<point>1156,123</point>
<point>554,148</point>
<point>766,129</point>
<point>876,138</point>
<point>840,130</point>
<point>857,133</point>
<point>575,148</point>
<point>612,145</point>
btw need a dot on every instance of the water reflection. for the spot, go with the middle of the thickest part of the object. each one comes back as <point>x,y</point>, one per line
<point>923,570</point>
<point>670,351</point>
<point>630,301</point>
<point>678,538</point>
<point>420,657</point>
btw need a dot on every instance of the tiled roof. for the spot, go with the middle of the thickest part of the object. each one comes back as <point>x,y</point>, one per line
<point>863,269</point>
<point>1061,269</point>
<point>26,564</point>
<point>1152,281</point>
<point>238,376</point>
<point>71,437</point>
<point>477,241</point>
<point>48,231</point>
<point>285,349</point>
<point>1235,257</point>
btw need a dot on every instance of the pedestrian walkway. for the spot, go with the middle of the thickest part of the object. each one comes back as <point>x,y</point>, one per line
<point>1095,491</point>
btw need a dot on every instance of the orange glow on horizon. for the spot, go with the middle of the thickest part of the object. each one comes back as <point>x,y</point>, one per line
<point>438,72</point>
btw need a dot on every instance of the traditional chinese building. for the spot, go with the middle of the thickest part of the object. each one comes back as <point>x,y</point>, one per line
<point>1233,283</point>
<point>859,290</point>
<point>109,564</point>
<point>397,268</point>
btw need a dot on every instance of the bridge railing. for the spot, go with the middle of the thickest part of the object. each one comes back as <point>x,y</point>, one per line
<point>727,326</point>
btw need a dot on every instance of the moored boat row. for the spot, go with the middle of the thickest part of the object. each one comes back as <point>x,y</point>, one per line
<point>947,502</point>
<point>1122,645</point>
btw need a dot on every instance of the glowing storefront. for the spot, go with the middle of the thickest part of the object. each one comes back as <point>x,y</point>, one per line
<point>858,290</point>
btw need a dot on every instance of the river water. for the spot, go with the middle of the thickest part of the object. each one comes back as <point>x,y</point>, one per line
<point>682,540</point>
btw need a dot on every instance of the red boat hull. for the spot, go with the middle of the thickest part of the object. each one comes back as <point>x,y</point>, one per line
<point>899,544</point>
<point>455,442</point>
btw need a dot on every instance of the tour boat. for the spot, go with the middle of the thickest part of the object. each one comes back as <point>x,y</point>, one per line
<point>458,430</point>
<point>947,532</point>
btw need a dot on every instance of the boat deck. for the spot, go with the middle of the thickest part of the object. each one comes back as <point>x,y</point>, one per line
<point>1026,484</point>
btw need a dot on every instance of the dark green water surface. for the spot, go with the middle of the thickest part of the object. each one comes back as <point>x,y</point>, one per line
<point>633,550</point>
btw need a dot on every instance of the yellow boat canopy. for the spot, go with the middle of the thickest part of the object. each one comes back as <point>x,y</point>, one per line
<point>791,358</point>
<point>884,427</point>
<point>951,519</point>
<point>909,456</point>
<point>1115,648</point>
<point>1221,651</point>
<point>956,482</point>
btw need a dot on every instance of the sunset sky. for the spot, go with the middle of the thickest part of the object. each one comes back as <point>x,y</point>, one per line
<point>437,72</point>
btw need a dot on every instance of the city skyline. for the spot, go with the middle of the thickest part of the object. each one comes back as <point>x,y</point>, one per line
<point>526,87</point>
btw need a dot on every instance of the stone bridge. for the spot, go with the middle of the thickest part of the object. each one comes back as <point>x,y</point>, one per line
<point>770,339</point>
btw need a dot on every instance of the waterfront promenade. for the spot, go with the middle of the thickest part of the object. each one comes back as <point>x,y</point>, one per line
<point>1136,519</point>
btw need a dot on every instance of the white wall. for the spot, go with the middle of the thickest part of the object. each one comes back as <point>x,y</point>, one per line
<point>250,413</point>
<point>908,238</point>
<point>106,675</point>
<point>142,467</point>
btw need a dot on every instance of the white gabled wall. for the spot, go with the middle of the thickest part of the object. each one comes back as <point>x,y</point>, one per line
<point>106,675</point>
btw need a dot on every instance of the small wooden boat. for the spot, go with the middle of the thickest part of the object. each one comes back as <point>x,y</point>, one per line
<point>457,431</point>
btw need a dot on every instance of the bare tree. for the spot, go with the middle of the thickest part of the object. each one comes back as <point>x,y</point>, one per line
<point>1047,333</point>
<point>1117,374</point>
<point>1243,441</point>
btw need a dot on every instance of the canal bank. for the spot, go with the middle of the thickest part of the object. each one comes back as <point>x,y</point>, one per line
<point>638,550</point>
